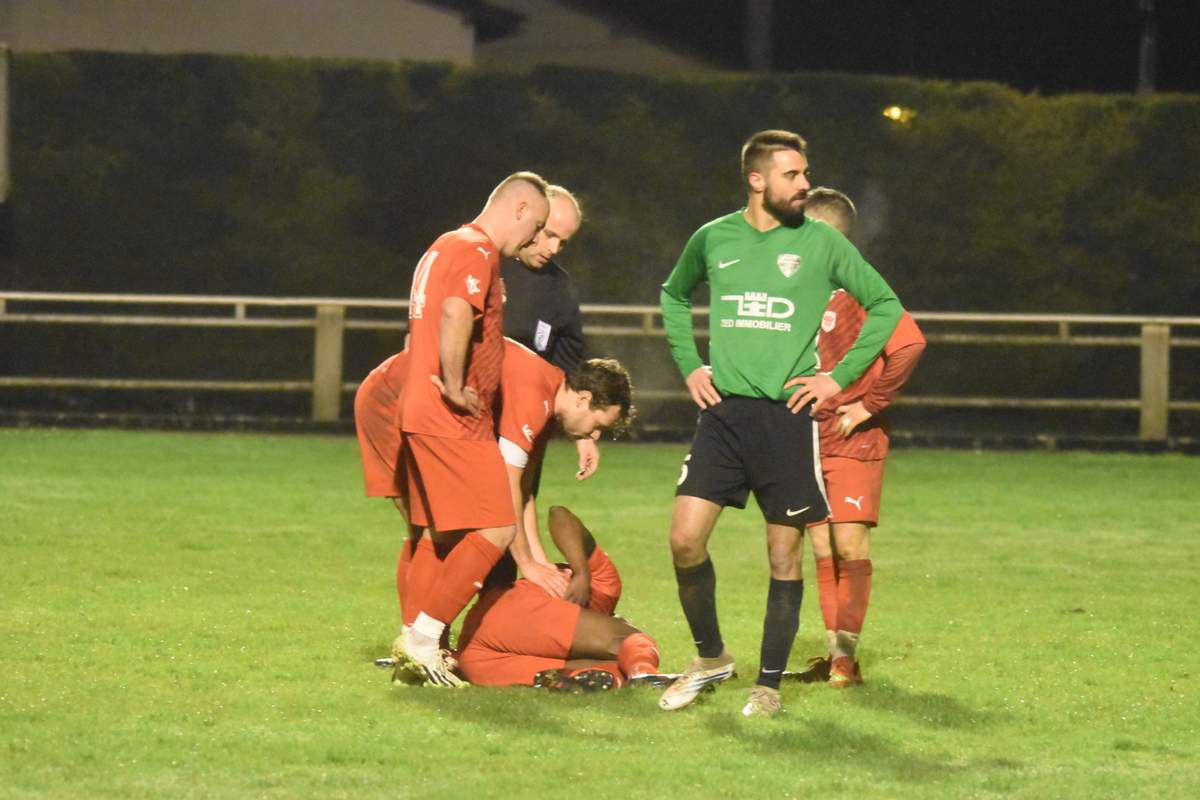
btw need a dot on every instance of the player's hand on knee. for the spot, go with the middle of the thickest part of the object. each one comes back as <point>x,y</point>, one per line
<point>815,389</point>
<point>700,386</point>
<point>547,576</point>
<point>852,415</point>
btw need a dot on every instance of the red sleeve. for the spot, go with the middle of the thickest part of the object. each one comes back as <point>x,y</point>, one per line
<point>906,333</point>
<point>525,408</point>
<point>897,368</point>
<point>465,270</point>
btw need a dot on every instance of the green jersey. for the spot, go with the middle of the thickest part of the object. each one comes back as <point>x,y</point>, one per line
<point>769,293</point>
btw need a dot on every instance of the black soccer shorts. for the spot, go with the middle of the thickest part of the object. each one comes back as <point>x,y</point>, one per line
<point>751,444</point>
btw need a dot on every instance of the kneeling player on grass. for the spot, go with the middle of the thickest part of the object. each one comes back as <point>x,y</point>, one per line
<point>853,443</point>
<point>518,635</point>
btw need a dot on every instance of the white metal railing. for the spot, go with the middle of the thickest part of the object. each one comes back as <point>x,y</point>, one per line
<point>330,318</point>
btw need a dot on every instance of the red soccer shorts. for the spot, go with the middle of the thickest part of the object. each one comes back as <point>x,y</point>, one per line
<point>515,632</point>
<point>853,488</point>
<point>379,436</point>
<point>456,484</point>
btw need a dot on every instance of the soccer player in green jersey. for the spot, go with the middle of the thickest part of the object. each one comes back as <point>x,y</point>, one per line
<point>771,274</point>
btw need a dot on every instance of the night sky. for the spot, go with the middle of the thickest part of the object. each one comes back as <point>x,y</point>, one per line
<point>1049,46</point>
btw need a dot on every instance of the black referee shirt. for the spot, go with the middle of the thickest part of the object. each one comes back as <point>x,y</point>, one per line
<point>542,312</point>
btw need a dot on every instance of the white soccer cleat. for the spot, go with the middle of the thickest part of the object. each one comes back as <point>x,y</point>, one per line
<point>701,674</point>
<point>430,666</point>
<point>762,702</point>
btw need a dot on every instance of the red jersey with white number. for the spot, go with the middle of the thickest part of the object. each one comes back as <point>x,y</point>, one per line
<point>462,263</point>
<point>528,385</point>
<point>840,325</point>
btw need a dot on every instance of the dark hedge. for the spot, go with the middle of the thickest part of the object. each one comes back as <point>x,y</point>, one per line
<point>277,177</point>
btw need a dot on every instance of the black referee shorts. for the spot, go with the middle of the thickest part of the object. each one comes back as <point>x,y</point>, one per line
<point>751,444</point>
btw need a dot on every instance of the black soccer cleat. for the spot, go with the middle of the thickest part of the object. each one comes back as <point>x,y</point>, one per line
<point>575,681</point>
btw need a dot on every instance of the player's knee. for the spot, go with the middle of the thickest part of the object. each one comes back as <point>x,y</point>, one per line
<point>785,563</point>
<point>687,549</point>
<point>852,540</point>
<point>561,515</point>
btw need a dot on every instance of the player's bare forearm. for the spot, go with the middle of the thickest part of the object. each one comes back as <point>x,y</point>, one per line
<point>523,551</point>
<point>457,323</point>
<point>573,540</point>
<point>533,564</point>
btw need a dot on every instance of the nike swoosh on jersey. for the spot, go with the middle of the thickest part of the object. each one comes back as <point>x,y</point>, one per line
<point>724,264</point>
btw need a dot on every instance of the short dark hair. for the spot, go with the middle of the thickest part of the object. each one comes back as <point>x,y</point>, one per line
<point>608,381</point>
<point>532,178</point>
<point>824,197</point>
<point>758,149</point>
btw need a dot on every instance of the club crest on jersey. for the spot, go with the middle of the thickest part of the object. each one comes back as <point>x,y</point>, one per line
<point>472,285</point>
<point>528,431</point>
<point>829,321</point>
<point>789,264</point>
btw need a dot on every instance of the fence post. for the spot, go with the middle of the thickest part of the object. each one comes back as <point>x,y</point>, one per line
<point>5,131</point>
<point>327,363</point>
<point>1156,382</point>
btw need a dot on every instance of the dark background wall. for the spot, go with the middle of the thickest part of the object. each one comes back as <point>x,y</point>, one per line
<point>272,177</point>
<point>206,174</point>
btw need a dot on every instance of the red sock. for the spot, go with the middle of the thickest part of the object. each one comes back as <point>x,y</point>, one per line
<point>406,556</point>
<point>420,580</point>
<point>462,577</point>
<point>854,592</point>
<point>638,655</point>
<point>827,591</point>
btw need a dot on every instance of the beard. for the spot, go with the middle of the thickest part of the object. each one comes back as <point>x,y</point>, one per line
<point>781,208</point>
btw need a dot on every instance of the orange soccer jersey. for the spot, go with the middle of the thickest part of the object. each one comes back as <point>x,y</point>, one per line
<point>528,385</point>
<point>840,326</point>
<point>466,264</point>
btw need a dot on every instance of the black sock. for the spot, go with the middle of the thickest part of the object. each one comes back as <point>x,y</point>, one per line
<point>698,596</point>
<point>780,624</point>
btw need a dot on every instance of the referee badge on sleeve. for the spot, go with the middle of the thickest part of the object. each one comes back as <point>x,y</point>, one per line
<point>541,336</point>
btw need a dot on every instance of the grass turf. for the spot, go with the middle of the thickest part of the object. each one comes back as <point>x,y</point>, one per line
<point>195,616</point>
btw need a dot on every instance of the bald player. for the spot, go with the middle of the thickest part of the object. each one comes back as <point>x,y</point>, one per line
<point>456,483</point>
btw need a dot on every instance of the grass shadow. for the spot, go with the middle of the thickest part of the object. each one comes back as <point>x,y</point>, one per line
<point>927,708</point>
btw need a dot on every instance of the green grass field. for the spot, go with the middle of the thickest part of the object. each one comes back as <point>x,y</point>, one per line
<point>193,615</point>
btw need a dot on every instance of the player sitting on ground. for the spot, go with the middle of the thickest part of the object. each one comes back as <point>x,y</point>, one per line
<point>518,635</point>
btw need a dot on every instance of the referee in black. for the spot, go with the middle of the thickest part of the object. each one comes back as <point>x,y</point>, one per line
<point>541,309</point>
<point>541,306</point>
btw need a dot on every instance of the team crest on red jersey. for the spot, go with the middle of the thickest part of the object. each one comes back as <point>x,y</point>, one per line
<point>789,264</point>
<point>828,321</point>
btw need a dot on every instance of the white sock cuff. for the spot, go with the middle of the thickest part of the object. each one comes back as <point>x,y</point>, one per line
<point>428,626</point>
